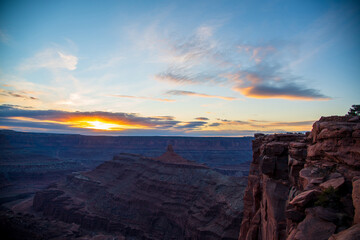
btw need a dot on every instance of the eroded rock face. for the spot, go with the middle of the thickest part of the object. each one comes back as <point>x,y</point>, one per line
<point>268,188</point>
<point>305,186</point>
<point>356,199</point>
<point>144,198</point>
<point>352,233</point>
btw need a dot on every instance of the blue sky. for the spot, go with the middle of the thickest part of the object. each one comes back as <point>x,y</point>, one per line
<point>196,68</point>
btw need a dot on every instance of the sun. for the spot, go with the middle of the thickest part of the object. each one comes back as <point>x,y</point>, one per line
<point>101,125</point>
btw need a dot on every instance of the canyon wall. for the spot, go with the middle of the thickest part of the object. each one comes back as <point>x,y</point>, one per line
<point>305,187</point>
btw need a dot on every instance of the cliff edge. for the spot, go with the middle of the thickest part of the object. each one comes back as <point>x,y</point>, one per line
<point>305,187</point>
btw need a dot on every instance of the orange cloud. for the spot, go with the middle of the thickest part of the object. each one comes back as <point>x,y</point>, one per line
<point>289,92</point>
<point>106,121</point>
<point>259,125</point>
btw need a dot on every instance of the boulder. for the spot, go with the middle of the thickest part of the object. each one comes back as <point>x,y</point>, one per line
<point>335,183</point>
<point>352,233</point>
<point>294,214</point>
<point>325,214</point>
<point>356,200</point>
<point>304,198</point>
<point>314,228</point>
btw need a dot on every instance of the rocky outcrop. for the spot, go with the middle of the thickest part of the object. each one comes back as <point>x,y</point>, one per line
<point>305,186</point>
<point>143,198</point>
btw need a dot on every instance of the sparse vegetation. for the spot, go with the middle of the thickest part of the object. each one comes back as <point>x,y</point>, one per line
<point>354,110</point>
<point>329,197</point>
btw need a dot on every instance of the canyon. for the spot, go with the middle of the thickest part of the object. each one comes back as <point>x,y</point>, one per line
<point>31,161</point>
<point>299,187</point>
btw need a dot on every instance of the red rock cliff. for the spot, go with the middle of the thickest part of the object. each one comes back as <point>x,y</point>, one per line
<point>304,187</point>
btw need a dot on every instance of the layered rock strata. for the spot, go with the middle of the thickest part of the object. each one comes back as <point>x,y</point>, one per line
<point>167,197</point>
<point>304,187</point>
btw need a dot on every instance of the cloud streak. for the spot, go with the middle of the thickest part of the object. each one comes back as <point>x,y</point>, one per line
<point>50,59</point>
<point>267,81</point>
<point>145,98</point>
<point>4,38</point>
<point>257,53</point>
<point>21,94</point>
<point>202,118</point>
<point>255,71</point>
<point>195,94</point>
<point>259,124</point>
<point>289,91</point>
<point>191,125</point>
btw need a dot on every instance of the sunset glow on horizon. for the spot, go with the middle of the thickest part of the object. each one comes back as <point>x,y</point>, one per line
<point>184,68</point>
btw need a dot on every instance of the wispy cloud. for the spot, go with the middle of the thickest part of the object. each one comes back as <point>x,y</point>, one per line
<point>202,118</point>
<point>165,117</point>
<point>195,94</point>
<point>191,125</point>
<point>4,38</point>
<point>189,59</point>
<point>260,125</point>
<point>102,64</point>
<point>50,59</point>
<point>176,76</point>
<point>145,98</point>
<point>253,70</point>
<point>20,94</point>
<point>257,53</point>
<point>77,99</point>
<point>233,122</point>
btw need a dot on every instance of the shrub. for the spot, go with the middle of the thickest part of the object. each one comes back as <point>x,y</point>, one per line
<point>329,197</point>
<point>354,110</point>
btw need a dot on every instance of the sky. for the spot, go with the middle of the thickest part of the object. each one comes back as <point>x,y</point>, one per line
<point>183,68</point>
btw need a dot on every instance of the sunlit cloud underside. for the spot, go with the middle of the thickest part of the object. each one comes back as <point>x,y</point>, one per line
<point>109,123</point>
